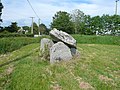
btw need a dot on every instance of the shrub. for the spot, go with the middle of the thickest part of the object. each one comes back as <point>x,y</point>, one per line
<point>15,35</point>
<point>13,43</point>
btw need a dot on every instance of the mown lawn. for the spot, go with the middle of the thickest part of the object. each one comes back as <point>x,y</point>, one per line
<point>98,68</point>
<point>93,39</point>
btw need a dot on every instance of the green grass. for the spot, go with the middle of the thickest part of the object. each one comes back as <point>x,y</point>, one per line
<point>98,69</point>
<point>8,61</point>
<point>108,40</point>
<point>13,43</point>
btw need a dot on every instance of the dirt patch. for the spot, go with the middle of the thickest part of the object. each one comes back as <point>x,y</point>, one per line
<point>9,70</point>
<point>105,78</point>
<point>82,84</point>
<point>91,44</point>
<point>85,86</point>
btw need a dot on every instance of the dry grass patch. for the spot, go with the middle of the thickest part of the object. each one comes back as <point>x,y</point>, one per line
<point>86,86</point>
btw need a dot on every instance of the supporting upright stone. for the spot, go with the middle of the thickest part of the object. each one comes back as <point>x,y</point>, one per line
<point>46,43</point>
<point>60,52</point>
<point>75,53</point>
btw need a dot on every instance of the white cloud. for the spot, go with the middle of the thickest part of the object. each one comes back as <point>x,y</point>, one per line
<point>20,11</point>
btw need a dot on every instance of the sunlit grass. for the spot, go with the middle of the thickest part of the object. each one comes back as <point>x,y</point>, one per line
<point>8,61</point>
<point>93,39</point>
<point>97,69</point>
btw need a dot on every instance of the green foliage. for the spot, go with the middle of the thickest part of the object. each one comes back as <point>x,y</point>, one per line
<point>105,24</point>
<point>79,23</point>
<point>43,29</point>
<point>62,21</point>
<point>13,43</point>
<point>35,28</point>
<point>84,24</point>
<point>96,24</point>
<point>12,28</point>
<point>7,34</point>
<point>4,32</point>
<point>26,28</point>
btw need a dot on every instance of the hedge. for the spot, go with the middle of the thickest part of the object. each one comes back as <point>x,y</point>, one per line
<point>15,35</point>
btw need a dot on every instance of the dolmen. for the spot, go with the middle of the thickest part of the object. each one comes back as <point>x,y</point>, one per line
<point>61,46</point>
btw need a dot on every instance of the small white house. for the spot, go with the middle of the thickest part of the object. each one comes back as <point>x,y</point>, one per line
<point>22,31</point>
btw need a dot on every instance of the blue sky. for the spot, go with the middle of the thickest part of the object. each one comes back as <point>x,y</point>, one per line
<point>20,11</point>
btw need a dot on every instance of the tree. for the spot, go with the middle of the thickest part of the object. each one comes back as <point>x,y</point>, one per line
<point>110,24</point>
<point>43,29</point>
<point>115,24</point>
<point>35,28</point>
<point>62,21</point>
<point>26,28</point>
<point>1,29</point>
<point>96,24</point>
<point>78,18</point>
<point>12,28</point>
<point>88,27</point>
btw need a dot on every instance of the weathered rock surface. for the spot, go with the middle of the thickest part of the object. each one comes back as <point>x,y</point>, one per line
<point>59,52</point>
<point>62,49</point>
<point>63,36</point>
<point>46,43</point>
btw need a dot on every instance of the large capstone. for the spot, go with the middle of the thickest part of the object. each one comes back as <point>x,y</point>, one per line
<point>46,44</point>
<point>60,52</point>
<point>63,36</point>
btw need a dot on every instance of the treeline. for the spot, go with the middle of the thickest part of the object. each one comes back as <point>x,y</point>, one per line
<point>75,22</point>
<point>14,28</point>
